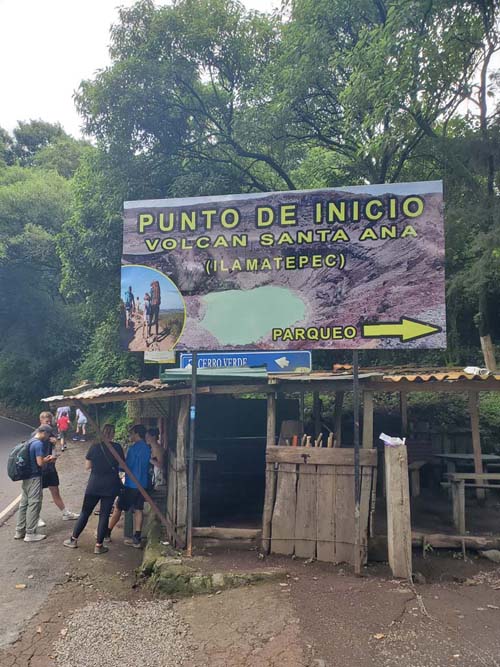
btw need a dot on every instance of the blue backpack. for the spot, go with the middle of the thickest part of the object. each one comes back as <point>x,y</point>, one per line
<point>19,463</point>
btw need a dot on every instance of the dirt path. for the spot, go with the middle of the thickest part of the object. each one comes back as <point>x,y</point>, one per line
<point>138,340</point>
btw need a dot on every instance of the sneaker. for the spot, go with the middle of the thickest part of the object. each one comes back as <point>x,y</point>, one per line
<point>69,516</point>
<point>71,543</point>
<point>63,448</point>
<point>75,439</point>
<point>34,537</point>
<point>100,550</point>
<point>83,439</point>
<point>41,523</point>
<point>133,542</point>
<point>19,536</point>
<point>107,539</point>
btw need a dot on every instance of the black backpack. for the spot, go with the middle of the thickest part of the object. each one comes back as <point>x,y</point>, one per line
<point>18,463</point>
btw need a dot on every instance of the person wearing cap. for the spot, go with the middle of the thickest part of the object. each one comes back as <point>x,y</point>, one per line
<point>31,497</point>
<point>50,478</point>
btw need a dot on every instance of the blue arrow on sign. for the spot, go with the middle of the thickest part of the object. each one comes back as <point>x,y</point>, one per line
<point>294,361</point>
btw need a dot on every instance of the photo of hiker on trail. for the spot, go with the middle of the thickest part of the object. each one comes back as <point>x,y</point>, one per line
<point>152,310</point>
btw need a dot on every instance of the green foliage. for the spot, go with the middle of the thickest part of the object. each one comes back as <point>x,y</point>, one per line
<point>104,361</point>
<point>32,136</point>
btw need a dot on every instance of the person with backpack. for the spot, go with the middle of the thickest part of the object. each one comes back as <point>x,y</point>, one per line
<point>50,477</point>
<point>63,428</point>
<point>104,485</point>
<point>37,455</point>
<point>155,300</point>
<point>129,302</point>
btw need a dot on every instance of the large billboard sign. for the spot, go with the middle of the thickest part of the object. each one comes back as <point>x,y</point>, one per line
<point>349,267</point>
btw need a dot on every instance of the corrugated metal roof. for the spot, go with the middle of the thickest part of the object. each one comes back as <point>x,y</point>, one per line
<point>214,374</point>
<point>434,375</point>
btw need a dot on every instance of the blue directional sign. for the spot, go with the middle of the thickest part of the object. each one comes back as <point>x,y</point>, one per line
<point>275,362</point>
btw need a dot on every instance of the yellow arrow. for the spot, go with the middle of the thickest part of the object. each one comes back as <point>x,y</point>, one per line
<point>406,329</point>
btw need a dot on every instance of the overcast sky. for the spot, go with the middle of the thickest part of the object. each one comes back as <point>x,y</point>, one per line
<point>47,47</point>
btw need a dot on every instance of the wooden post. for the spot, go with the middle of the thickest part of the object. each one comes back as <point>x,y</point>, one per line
<point>403,410</point>
<point>181,474</point>
<point>398,511</point>
<point>316,414</point>
<point>458,498</point>
<point>488,353</point>
<point>367,420</point>
<point>337,428</point>
<point>271,420</point>
<point>476,438</point>
<point>270,492</point>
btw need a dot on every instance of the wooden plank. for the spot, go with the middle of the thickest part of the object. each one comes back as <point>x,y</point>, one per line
<point>181,455</point>
<point>283,521</point>
<point>456,476</point>
<point>320,456</point>
<point>476,438</point>
<point>398,511</point>
<point>458,503</point>
<point>267,513</point>
<point>227,533</point>
<point>373,502</point>
<point>305,513</point>
<point>326,514</point>
<point>367,442</point>
<point>271,420</point>
<point>344,507</point>
<point>364,510</point>
<point>488,350</point>
<point>172,495</point>
<point>337,428</point>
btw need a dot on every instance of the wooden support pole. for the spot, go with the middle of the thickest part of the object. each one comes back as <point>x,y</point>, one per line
<point>403,409</point>
<point>488,353</point>
<point>476,438</point>
<point>337,428</point>
<point>271,420</point>
<point>367,420</point>
<point>270,493</point>
<point>316,413</point>
<point>398,511</point>
<point>163,519</point>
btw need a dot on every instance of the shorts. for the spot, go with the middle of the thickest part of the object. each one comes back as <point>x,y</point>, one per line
<point>50,478</point>
<point>130,499</point>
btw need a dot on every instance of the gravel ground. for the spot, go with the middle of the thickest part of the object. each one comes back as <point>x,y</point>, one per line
<point>119,634</point>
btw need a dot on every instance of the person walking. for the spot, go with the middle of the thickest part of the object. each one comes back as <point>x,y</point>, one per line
<point>104,485</point>
<point>63,427</point>
<point>138,461</point>
<point>157,456</point>
<point>50,478</point>
<point>81,426</point>
<point>155,300</point>
<point>129,302</point>
<point>31,497</point>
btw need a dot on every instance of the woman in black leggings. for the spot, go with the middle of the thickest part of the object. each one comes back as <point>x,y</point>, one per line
<point>104,485</point>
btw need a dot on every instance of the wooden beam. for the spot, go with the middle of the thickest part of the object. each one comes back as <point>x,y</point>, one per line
<point>367,420</point>
<point>316,413</point>
<point>403,411</point>
<point>227,533</point>
<point>476,438</point>
<point>321,456</point>
<point>398,511</point>
<point>488,353</point>
<point>337,428</point>
<point>442,386</point>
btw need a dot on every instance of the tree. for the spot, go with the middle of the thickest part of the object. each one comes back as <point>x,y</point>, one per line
<point>31,136</point>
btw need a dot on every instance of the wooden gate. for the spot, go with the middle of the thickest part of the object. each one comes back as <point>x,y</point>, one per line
<point>309,503</point>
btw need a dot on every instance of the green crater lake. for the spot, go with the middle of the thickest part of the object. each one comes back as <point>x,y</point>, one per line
<point>238,317</point>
